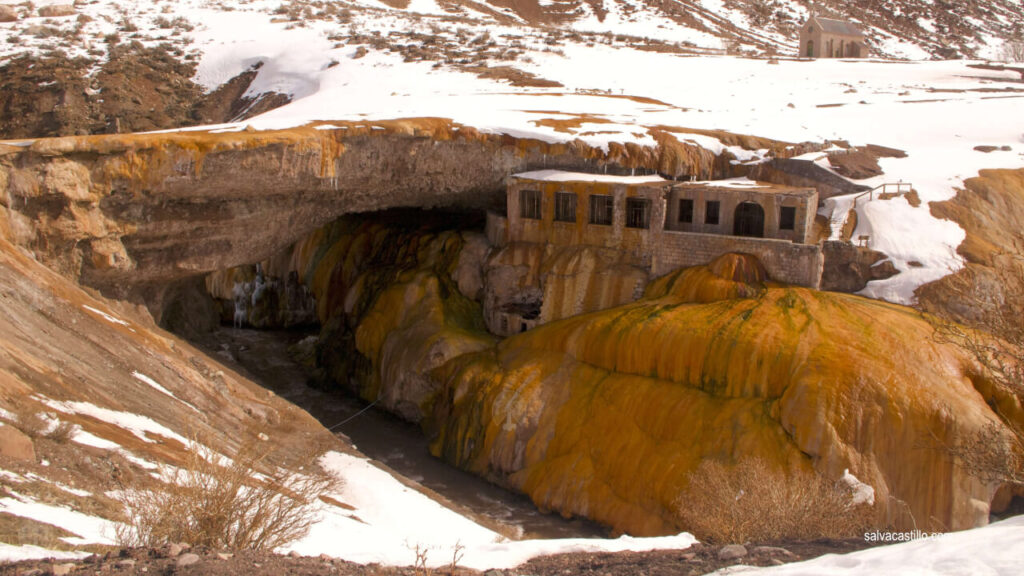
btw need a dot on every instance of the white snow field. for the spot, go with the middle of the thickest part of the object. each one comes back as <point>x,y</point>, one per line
<point>995,550</point>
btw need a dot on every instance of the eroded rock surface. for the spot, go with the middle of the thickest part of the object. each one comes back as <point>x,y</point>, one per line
<point>990,208</point>
<point>132,214</point>
<point>605,414</point>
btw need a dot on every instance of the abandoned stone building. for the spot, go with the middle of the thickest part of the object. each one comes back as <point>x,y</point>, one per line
<point>660,225</point>
<point>827,38</point>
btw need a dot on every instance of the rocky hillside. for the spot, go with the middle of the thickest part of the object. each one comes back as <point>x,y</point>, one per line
<point>109,67</point>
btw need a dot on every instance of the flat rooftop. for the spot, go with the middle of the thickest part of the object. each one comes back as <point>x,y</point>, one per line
<point>563,176</point>
<point>745,184</point>
<point>730,184</point>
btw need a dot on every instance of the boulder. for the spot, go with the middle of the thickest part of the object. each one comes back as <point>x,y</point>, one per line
<point>7,13</point>
<point>15,444</point>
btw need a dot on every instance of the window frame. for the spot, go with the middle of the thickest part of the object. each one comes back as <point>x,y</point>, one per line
<point>642,206</point>
<point>609,209</point>
<point>717,204</point>
<point>563,205</point>
<point>679,216</point>
<point>787,212</point>
<point>530,199</point>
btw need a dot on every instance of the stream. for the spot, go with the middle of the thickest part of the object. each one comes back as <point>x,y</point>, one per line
<point>263,356</point>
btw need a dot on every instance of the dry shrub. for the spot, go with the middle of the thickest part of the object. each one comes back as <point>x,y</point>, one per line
<point>754,502</point>
<point>30,420</point>
<point>242,504</point>
<point>36,423</point>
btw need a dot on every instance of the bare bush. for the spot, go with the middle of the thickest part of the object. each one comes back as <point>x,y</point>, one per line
<point>30,420</point>
<point>1013,51</point>
<point>241,504</point>
<point>753,502</point>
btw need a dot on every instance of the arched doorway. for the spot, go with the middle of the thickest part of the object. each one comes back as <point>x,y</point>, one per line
<point>749,220</point>
<point>810,48</point>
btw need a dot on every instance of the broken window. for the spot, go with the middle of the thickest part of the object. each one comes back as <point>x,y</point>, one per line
<point>711,212</point>
<point>787,218</point>
<point>565,207</point>
<point>638,213</point>
<point>529,204</point>
<point>602,209</point>
<point>686,210</point>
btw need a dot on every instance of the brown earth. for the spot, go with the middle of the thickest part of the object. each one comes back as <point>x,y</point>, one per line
<point>136,89</point>
<point>990,208</point>
<point>696,560</point>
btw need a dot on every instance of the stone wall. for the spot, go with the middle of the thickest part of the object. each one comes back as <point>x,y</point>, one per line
<point>770,199</point>
<point>496,229</point>
<point>655,248</point>
<point>799,264</point>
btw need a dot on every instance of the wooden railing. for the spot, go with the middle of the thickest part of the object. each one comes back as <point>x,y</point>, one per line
<point>894,188</point>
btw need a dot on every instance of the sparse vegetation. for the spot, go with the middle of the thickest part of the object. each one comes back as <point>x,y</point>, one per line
<point>1013,51</point>
<point>754,502</point>
<point>244,504</point>
<point>996,342</point>
<point>36,423</point>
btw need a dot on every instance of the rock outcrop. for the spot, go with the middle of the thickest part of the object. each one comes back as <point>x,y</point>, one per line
<point>849,268</point>
<point>605,414</point>
<point>990,208</point>
<point>132,214</point>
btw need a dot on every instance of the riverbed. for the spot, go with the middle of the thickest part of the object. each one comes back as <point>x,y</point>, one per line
<point>400,446</point>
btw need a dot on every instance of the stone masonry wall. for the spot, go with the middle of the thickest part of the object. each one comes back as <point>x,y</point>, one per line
<point>799,264</point>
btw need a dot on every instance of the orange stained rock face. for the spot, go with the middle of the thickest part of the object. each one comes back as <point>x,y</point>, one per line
<point>605,414</point>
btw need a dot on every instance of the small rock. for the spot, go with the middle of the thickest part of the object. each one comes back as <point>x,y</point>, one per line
<point>187,559</point>
<point>294,554</point>
<point>174,550</point>
<point>688,556</point>
<point>225,556</point>
<point>63,569</point>
<point>129,563</point>
<point>773,551</point>
<point>732,552</point>
<point>326,558</point>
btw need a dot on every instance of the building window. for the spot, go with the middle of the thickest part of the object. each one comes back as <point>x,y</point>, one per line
<point>565,207</point>
<point>529,204</point>
<point>787,218</point>
<point>686,210</point>
<point>638,213</point>
<point>602,208</point>
<point>711,212</point>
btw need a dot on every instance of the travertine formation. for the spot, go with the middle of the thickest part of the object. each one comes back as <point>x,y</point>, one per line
<point>605,414</point>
